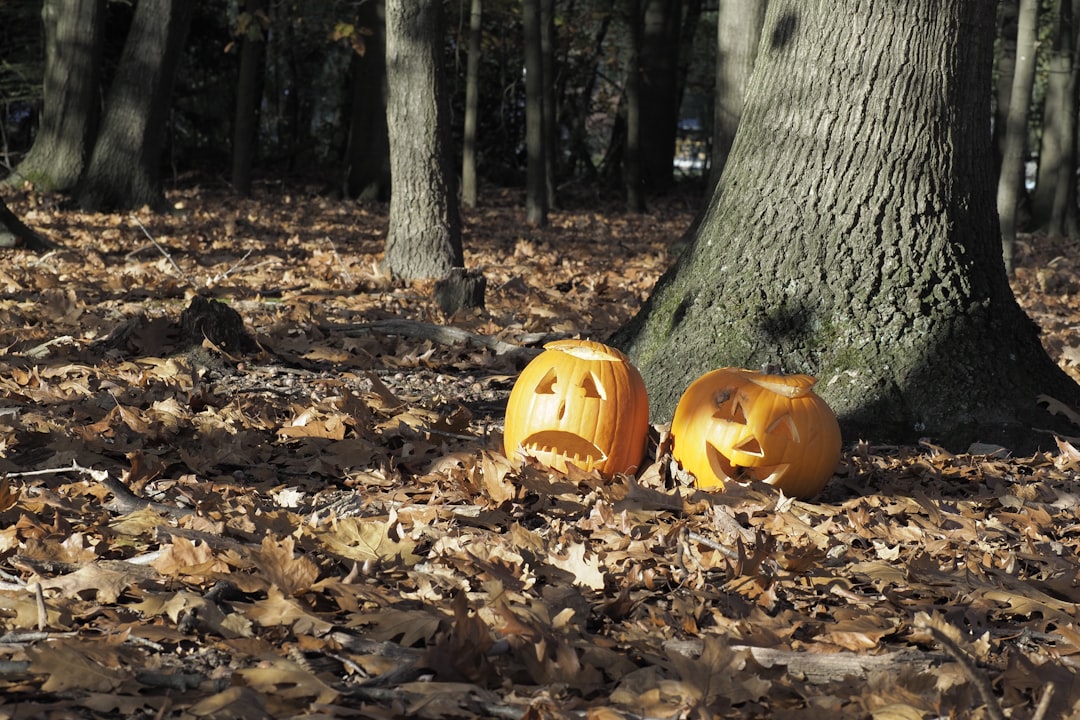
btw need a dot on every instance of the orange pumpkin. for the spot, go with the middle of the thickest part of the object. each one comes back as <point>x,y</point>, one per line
<point>735,424</point>
<point>579,402</point>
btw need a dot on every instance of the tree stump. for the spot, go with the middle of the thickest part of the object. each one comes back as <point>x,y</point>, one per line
<point>217,322</point>
<point>459,290</point>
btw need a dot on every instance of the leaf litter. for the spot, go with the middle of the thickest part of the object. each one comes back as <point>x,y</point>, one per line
<point>323,526</point>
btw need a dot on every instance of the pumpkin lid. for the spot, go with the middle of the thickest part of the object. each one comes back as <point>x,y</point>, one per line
<point>587,350</point>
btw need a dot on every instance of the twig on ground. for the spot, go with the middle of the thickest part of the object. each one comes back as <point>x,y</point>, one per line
<point>1044,702</point>
<point>344,269</point>
<point>39,602</point>
<point>236,266</point>
<point>940,631</point>
<point>183,276</point>
<point>40,352</point>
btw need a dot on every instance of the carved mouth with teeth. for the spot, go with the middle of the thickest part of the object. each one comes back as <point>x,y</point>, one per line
<point>557,447</point>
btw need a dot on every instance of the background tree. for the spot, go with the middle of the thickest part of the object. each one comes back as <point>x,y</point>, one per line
<point>1011,179</point>
<point>1054,202</point>
<point>664,43</point>
<point>70,108</point>
<point>632,172</point>
<point>536,206</point>
<point>424,237</point>
<point>252,25</point>
<point>368,147</point>
<point>550,104</point>
<point>472,103</point>
<point>124,171</point>
<point>853,234</point>
<point>738,33</point>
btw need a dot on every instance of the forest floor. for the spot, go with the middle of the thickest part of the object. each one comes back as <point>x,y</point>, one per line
<point>323,525</point>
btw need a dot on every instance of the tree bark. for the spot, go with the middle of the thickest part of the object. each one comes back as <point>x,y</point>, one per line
<point>424,237</point>
<point>1053,203</point>
<point>660,91</point>
<point>472,101</point>
<point>368,149</point>
<point>738,32</point>
<point>550,108</point>
<point>536,207</point>
<point>853,235</point>
<point>249,87</point>
<point>74,32</point>
<point>125,167</point>
<point>1005,69</point>
<point>1011,179</point>
<point>632,173</point>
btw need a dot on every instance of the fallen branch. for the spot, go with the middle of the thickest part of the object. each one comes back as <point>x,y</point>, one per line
<point>442,334</point>
<point>124,500</point>
<point>821,668</point>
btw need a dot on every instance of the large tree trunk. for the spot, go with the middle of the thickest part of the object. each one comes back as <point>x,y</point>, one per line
<point>424,237</point>
<point>536,207</point>
<point>249,89</point>
<point>1011,180</point>
<point>74,31</point>
<point>125,168</point>
<point>853,235</point>
<point>368,151</point>
<point>738,32</point>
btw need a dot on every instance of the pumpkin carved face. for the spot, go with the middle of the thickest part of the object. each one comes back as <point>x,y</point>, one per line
<point>579,402</point>
<point>735,424</point>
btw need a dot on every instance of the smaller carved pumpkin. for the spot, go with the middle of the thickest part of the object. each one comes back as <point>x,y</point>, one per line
<point>579,402</point>
<point>735,424</point>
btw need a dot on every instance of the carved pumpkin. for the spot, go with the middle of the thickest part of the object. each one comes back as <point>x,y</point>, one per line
<point>734,424</point>
<point>579,402</point>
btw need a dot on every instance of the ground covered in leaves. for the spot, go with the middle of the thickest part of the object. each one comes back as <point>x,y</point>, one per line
<point>321,524</point>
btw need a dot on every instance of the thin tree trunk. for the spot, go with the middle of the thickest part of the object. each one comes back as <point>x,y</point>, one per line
<point>249,87</point>
<point>536,208</point>
<point>1053,203</point>
<point>632,174</point>
<point>367,150</point>
<point>1011,179</point>
<point>472,100</point>
<point>551,135</point>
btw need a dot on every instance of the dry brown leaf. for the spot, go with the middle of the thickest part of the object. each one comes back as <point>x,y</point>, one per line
<point>292,574</point>
<point>67,668</point>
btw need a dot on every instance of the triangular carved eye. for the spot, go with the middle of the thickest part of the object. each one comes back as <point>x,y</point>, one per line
<point>784,426</point>
<point>750,446</point>
<point>592,387</point>
<point>546,386</point>
<point>737,414</point>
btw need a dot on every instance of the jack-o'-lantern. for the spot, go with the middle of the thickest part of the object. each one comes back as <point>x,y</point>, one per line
<point>579,402</point>
<point>735,424</point>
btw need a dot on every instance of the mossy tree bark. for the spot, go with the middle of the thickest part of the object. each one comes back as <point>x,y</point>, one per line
<point>853,235</point>
<point>124,170</point>
<point>74,33</point>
